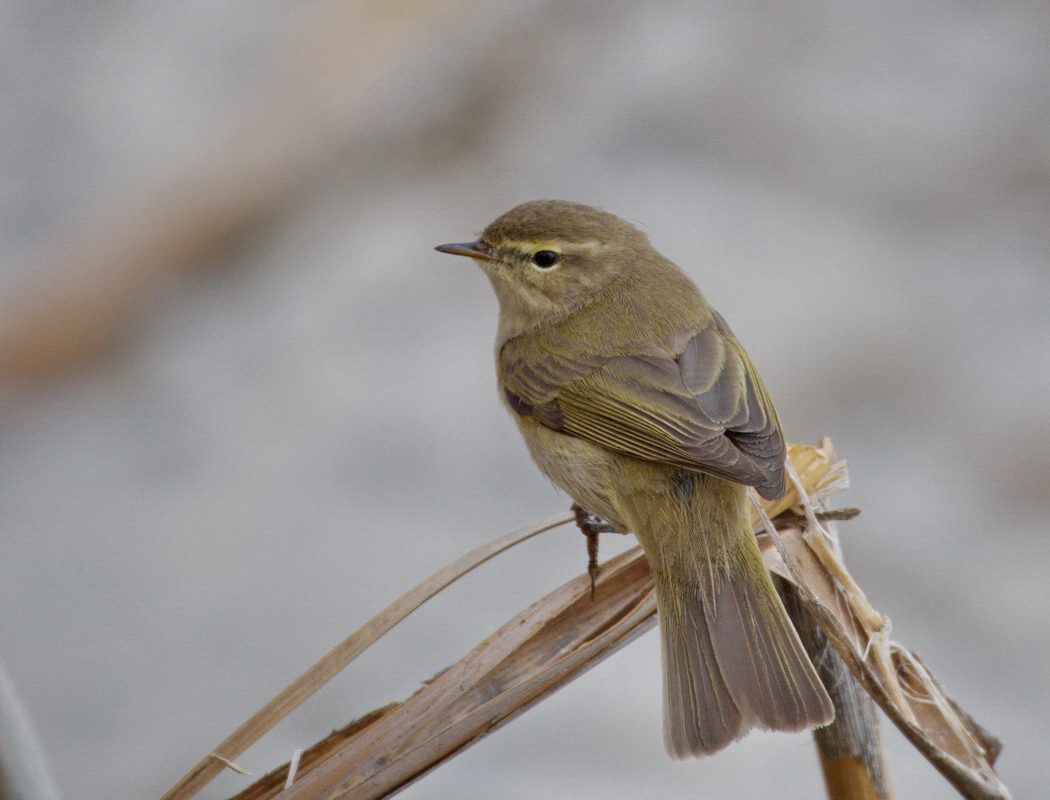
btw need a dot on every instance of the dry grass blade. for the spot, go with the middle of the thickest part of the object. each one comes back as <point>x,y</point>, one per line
<point>565,633</point>
<point>532,655</point>
<point>544,647</point>
<point>325,669</point>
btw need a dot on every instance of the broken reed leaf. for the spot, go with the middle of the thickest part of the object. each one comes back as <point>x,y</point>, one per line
<point>565,633</point>
<point>274,781</point>
<point>535,653</point>
<point>350,648</point>
<point>822,476</point>
<point>530,665</point>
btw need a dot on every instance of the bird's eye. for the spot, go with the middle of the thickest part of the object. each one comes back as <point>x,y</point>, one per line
<point>545,259</point>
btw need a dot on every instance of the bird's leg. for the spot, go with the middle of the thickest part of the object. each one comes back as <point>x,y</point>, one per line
<point>591,525</point>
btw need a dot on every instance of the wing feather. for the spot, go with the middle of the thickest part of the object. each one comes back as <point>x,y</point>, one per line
<point>700,405</point>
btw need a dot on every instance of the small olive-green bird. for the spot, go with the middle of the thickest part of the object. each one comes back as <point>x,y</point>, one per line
<point>635,398</point>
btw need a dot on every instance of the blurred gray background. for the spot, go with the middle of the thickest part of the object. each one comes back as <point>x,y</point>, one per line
<point>305,424</point>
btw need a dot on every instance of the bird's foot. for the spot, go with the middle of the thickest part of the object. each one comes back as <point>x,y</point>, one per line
<point>591,526</point>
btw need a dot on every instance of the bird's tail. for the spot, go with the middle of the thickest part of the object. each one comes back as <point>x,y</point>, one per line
<point>732,658</point>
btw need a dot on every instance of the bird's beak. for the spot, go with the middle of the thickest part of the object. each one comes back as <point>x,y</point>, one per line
<point>472,249</point>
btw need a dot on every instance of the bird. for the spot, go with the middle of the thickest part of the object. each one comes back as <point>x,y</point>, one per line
<point>634,396</point>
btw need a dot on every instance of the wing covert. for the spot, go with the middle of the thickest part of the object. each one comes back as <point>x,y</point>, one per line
<point>703,407</point>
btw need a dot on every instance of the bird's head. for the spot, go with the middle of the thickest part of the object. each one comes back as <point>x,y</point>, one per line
<point>548,258</point>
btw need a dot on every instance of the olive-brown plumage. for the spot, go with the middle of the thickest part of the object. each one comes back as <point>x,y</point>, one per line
<point>634,396</point>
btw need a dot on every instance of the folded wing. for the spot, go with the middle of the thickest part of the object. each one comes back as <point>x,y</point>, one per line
<point>698,404</point>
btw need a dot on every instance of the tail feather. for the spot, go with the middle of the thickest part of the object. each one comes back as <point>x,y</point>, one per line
<point>768,670</point>
<point>732,665</point>
<point>700,713</point>
<point>732,658</point>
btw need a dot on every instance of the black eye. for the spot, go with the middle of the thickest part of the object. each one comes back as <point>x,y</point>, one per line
<point>545,259</point>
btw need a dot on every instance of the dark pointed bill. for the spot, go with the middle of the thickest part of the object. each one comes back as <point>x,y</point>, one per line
<point>471,249</point>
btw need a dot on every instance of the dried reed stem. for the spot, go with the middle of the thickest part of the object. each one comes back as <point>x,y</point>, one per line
<point>565,633</point>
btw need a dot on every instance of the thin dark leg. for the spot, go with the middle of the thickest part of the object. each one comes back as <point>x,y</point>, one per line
<point>591,526</point>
